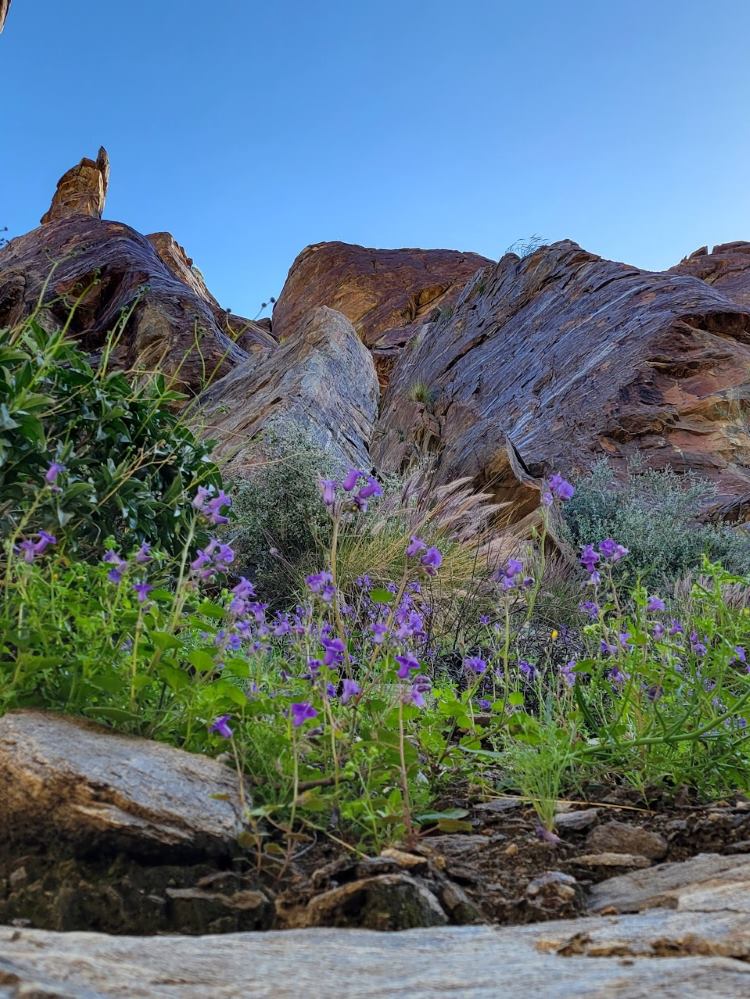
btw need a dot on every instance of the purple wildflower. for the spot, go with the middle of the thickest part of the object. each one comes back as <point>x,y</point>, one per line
<point>328,491</point>
<point>655,605</point>
<point>676,629</point>
<point>379,632</point>
<point>318,581</point>
<point>476,664</point>
<point>483,704</point>
<point>432,560</point>
<point>560,487</point>
<point>589,607</point>
<point>616,676</point>
<point>143,555</point>
<point>698,646</point>
<point>350,690</point>
<point>527,670</point>
<point>142,590</point>
<point>301,712</point>
<point>407,664</point>
<point>589,558</point>
<point>658,631</point>
<point>740,653</point>
<point>221,727</point>
<point>415,546</point>
<point>567,672</point>
<point>351,479</point>
<point>30,549</point>
<point>334,651</point>
<point>420,686</point>
<point>119,565</point>
<point>50,476</point>
<point>610,549</point>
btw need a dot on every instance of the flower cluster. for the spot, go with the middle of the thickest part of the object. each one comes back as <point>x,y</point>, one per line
<point>592,559</point>
<point>356,496</point>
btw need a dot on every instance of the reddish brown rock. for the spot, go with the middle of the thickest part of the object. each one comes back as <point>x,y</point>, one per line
<point>550,362</point>
<point>82,190</point>
<point>386,294</point>
<point>726,267</point>
<point>321,382</point>
<point>246,333</point>
<point>109,271</point>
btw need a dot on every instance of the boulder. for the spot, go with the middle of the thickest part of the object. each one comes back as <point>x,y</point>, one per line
<point>321,381</point>
<point>676,885</point>
<point>82,190</point>
<point>68,780</point>
<point>726,267</point>
<point>659,953</point>
<point>551,361</point>
<point>111,274</point>
<point>386,294</point>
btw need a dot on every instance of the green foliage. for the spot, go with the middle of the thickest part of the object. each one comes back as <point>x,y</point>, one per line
<point>280,524</point>
<point>128,460</point>
<point>655,514</point>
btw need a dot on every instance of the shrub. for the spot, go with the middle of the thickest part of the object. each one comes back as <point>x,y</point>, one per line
<point>122,458</point>
<point>279,524</point>
<point>655,514</point>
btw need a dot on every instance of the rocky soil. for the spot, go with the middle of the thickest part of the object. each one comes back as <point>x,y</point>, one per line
<point>122,835</point>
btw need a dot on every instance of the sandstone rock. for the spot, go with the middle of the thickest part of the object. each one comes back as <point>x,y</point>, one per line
<point>726,267</point>
<point>554,893</point>
<point>667,884</point>
<point>321,381</point>
<point>109,270</point>
<point>247,334</point>
<point>703,958</point>
<point>82,190</point>
<point>386,294</point>
<point>197,910</point>
<point>621,837</point>
<point>67,779</point>
<point>551,361</point>
<point>385,902</point>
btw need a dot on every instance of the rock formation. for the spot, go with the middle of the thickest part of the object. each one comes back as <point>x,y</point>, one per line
<point>321,380</point>
<point>726,267</point>
<point>111,273</point>
<point>4,8</point>
<point>386,294</point>
<point>64,778</point>
<point>82,190</point>
<point>550,362</point>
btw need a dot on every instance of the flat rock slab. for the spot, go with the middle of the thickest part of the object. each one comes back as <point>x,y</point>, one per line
<point>71,779</point>
<point>705,882</point>
<point>661,952</point>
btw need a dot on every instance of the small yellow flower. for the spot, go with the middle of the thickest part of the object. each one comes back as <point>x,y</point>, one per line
<point>554,634</point>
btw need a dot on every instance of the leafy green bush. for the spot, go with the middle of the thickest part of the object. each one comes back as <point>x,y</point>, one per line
<point>123,459</point>
<point>655,515</point>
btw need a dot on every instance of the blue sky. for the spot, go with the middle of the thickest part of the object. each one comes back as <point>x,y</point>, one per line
<point>249,130</point>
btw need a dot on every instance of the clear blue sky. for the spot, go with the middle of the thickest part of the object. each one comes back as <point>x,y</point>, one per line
<point>250,129</point>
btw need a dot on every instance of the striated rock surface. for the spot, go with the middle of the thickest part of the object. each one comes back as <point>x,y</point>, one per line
<point>387,294</point>
<point>246,333</point>
<point>726,267</point>
<point>82,190</point>
<point>682,954</point>
<point>67,779</point>
<point>552,361</point>
<point>321,381</point>
<point>110,271</point>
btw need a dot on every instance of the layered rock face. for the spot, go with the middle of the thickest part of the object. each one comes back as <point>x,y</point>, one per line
<point>108,271</point>
<point>386,294</point>
<point>550,362</point>
<point>82,190</point>
<point>726,267</point>
<point>321,381</point>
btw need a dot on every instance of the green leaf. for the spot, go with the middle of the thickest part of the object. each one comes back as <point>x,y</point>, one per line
<point>163,640</point>
<point>449,813</point>
<point>382,596</point>
<point>202,660</point>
